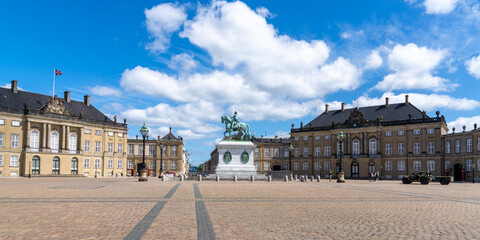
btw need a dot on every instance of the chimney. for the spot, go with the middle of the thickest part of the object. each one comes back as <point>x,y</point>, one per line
<point>66,95</point>
<point>14,86</point>
<point>136,136</point>
<point>276,137</point>
<point>475,126</point>
<point>86,100</point>
<point>301,124</point>
<point>170,129</point>
<point>386,102</point>
<point>406,100</point>
<point>326,108</point>
<point>343,106</point>
<point>158,137</point>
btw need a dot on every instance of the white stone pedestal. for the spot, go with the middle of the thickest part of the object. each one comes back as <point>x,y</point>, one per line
<point>229,166</point>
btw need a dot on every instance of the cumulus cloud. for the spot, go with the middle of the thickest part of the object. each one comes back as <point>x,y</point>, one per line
<point>264,12</point>
<point>412,66</point>
<point>276,110</point>
<point>105,91</point>
<point>9,85</point>
<point>468,122</point>
<point>183,62</point>
<point>373,60</point>
<point>439,6</point>
<point>473,66</point>
<point>162,20</point>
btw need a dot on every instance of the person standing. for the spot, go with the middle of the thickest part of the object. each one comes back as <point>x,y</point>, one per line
<point>330,173</point>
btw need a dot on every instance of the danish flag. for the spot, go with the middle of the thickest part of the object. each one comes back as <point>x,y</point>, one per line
<point>58,72</point>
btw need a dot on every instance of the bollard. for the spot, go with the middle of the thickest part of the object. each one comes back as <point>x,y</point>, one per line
<point>313,178</point>
<point>301,179</point>
<point>252,178</point>
<point>318,178</point>
<point>269,178</point>
<point>199,178</point>
<point>235,178</point>
<point>286,178</point>
<point>217,178</point>
<point>296,177</point>
<point>182,178</point>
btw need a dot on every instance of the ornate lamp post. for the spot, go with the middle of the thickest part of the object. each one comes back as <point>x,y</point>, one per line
<point>161,159</point>
<point>473,173</point>
<point>290,150</point>
<point>341,174</point>
<point>143,171</point>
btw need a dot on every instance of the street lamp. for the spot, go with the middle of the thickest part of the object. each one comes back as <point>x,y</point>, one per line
<point>473,173</point>
<point>29,168</point>
<point>290,150</point>
<point>161,159</point>
<point>341,174</point>
<point>143,171</point>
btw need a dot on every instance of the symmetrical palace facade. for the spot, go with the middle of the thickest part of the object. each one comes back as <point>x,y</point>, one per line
<point>44,135</point>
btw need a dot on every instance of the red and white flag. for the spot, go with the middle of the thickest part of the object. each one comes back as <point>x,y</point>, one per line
<point>58,72</point>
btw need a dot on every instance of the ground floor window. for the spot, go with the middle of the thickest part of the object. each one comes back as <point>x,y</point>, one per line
<point>317,166</point>
<point>326,166</point>
<point>469,165</point>
<point>173,166</point>
<point>74,167</point>
<point>130,164</point>
<point>417,166</point>
<point>388,166</point>
<point>431,166</point>
<point>36,165</point>
<point>266,166</point>
<point>305,166</point>
<point>401,165</point>
<point>56,166</point>
<point>296,166</point>
<point>286,166</point>
<point>371,167</point>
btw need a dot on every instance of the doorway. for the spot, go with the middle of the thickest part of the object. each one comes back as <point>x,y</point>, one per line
<point>355,170</point>
<point>457,172</point>
<point>36,165</point>
<point>277,168</point>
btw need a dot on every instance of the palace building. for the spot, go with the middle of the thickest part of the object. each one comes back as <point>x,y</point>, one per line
<point>173,157</point>
<point>462,154</point>
<point>44,135</point>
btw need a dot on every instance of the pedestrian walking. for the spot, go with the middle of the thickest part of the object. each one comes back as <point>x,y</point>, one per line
<point>330,173</point>
<point>376,177</point>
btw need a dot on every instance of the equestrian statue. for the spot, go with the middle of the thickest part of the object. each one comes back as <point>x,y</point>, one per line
<point>233,124</point>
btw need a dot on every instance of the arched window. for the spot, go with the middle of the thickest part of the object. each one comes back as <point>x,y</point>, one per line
<point>56,165</point>
<point>36,165</point>
<point>373,146</point>
<point>417,166</point>
<point>72,142</point>
<point>371,167</point>
<point>34,140</point>
<point>74,168</point>
<point>356,147</point>
<point>54,141</point>
<point>355,170</point>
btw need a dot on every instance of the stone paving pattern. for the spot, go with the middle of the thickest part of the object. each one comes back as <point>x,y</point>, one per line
<point>110,208</point>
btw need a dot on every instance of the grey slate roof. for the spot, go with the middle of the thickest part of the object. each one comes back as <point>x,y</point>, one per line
<point>170,136</point>
<point>11,100</point>
<point>393,112</point>
<point>271,140</point>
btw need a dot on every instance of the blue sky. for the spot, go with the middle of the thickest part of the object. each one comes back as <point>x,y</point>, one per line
<point>184,64</point>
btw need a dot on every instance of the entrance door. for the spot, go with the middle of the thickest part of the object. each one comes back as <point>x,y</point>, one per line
<point>74,166</point>
<point>457,172</point>
<point>355,170</point>
<point>277,168</point>
<point>56,166</point>
<point>36,165</point>
<point>371,167</point>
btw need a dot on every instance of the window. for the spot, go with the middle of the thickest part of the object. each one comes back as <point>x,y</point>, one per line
<point>276,152</point>
<point>56,166</point>
<point>326,166</point>
<point>97,163</point>
<point>478,164</point>
<point>305,151</point>
<point>416,148</point>
<point>285,152</point>
<point>388,166</point>
<point>151,150</point>
<point>388,133</point>
<point>110,134</point>
<point>86,163</point>
<point>305,138</point>
<point>317,166</point>
<point>326,152</point>
<point>286,167</point>
<point>431,147</point>
<point>317,151</point>
<point>388,149</point>
<point>119,164</point>
<point>1,139</point>
<point>401,165</point>
<point>110,147</point>
<point>469,165</point>
<point>120,135</point>
<point>2,121</point>
<point>87,146</point>
<point>54,141</point>
<point>72,142</point>
<point>317,138</point>
<point>164,165</point>
<point>98,132</point>
<point>431,166</point>
<point>130,149</point>
<point>34,140</point>
<point>417,166</point>
<point>297,139</point>
<point>469,145</point>
<point>257,165</point>
<point>267,152</point>
<point>430,131</point>
<point>98,147</point>
<point>174,150</point>
<point>164,150</point>
<point>416,131</point>
<point>130,164</point>
<point>1,160</point>
<point>151,164</point>
<point>110,164</point>
<point>173,166</point>
<point>140,150</point>
<point>401,148</point>
<point>15,140</point>
<point>15,123</point>
<point>400,133</point>
<point>295,166</point>
<point>36,165</point>
<point>74,166</point>
<point>457,145</point>
<point>373,146</point>
<point>13,161</point>
<point>305,166</point>
<point>327,137</point>
<point>297,152</point>
<point>448,165</point>
<point>266,166</point>
<point>356,147</point>
<point>88,131</point>
<point>256,152</point>
<point>447,147</point>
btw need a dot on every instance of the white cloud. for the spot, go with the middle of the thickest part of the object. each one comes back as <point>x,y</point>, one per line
<point>427,102</point>
<point>473,66</point>
<point>264,12</point>
<point>162,21</point>
<point>439,6</point>
<point>373,60</point>
<point>468,122</point>
<point>412,66</point>
<point>188,134</point>
<point>105,91</point>
<point>183,61</point>
<point>9,86</point>
<point>276,110</point>
<point>280,134</point>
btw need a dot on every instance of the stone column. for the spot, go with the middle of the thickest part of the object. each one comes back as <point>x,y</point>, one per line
<point>44,141</point>
<point>63,137</point>
<point>49,128</point>
<point>80,143</point>
<point>67,139</point>
<point>27,144</point>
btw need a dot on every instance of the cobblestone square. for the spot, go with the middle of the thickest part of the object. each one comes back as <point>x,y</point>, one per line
<point>123,208</point>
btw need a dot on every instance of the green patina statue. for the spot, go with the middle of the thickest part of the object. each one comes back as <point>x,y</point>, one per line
<point>233,124</point>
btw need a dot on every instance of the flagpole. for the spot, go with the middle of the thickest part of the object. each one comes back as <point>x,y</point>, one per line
<point>53,94</point>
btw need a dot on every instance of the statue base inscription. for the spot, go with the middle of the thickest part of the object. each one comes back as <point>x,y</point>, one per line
<point>235,158</point>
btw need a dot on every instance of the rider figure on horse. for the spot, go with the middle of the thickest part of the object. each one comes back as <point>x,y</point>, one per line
<point>235,121</point>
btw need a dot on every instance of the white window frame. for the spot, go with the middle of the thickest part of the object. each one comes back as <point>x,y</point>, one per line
<point>15,123</point>
<point>14,160</point>
<point>110,147</point>
<point>151,165</point>
<point>34,140</point>
<point>110,134</point>
<point>372,150</point>
<point>297,152</point>
<point>54,141</point>
<point>469,165</point>
<point>417,165</point>
<point>98,132</point>
<point>356,147</point>
<point>401,166</point>
<point>72,142</point>
<point>317,166</point>
<point>257,166</point>
<point>388,149</point>
<point>266,166</point>
<point>88,131</point>
<point>173,165</point>
<point>266,151</point>
<point>2,137</point>
<point>388,133</point>
<point>469,145</point>
<point>305,138</point>
<point>110,164</point>
<point>15,141</point>
<point>417,149</point>
<point>1,160</point>
<point>317,151</point>
<point>151,149</point>
<point>296,139</point>
<point>416,131</point>
<point>296,166</point>
<point>119,164</point>
<point>447,147</point>
<point>2,121</point>
<point>131,149</point>
<point>305,166</point>
<point>327,137</point>
<point>97,163</point>
<point>86,146</point>
<point>431,165</point>
<point>458,146</point>
<point>317,138</point>
<point>98,147</point>
<point>276,152</point>
<point>305,152</point>
<point>130,164</point>
<point>174,151</point>
<point>285,153</point>
<point>256,152</point>
<point>86,163</point>
<point>401,133</point>
<point>388,166</point>
<point>430,147</point>
<point>430,131</point>
<point>120,135</point>
<point>326,151</point>
<point>286,167</point>
<point>326,166</point>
